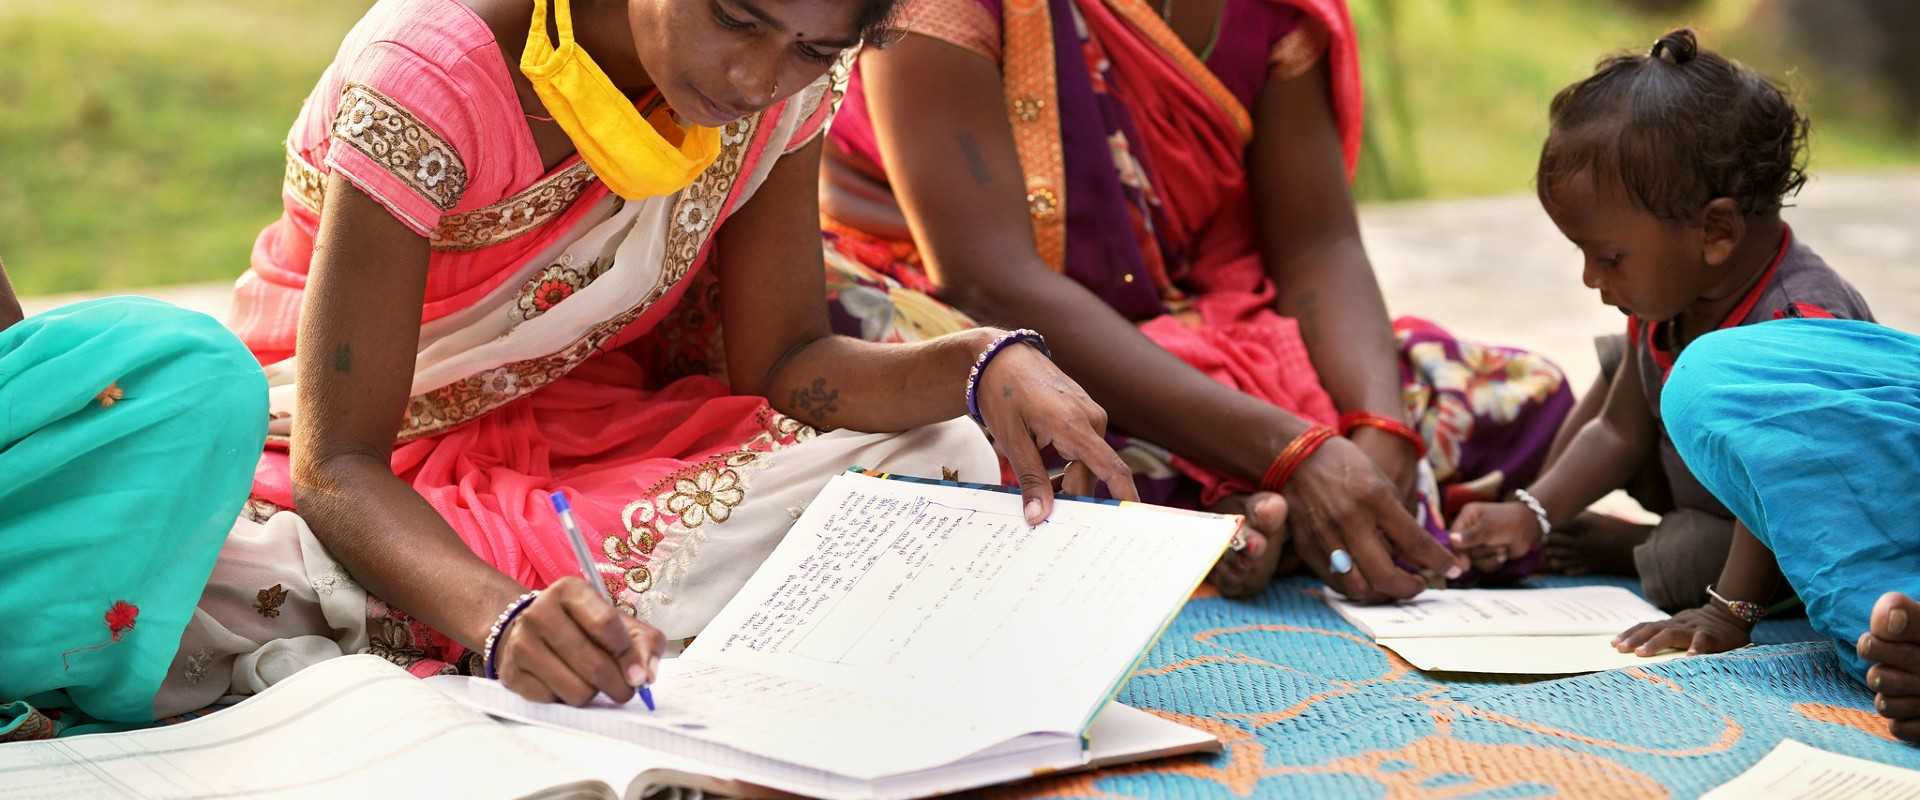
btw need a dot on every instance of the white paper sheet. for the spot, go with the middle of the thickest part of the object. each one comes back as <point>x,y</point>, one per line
<point>1519,655</point>
<point>350,727</point>
<point>1794,771</point>
<point>1573,611</point>
<point>1508,631</point>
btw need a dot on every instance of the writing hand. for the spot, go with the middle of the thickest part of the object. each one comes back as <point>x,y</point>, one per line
<point>570,645</point>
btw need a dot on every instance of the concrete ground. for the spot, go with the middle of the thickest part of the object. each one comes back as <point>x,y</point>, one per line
<point>1495,270</point>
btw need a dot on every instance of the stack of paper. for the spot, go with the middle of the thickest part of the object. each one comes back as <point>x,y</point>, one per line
<point>1507,631</point>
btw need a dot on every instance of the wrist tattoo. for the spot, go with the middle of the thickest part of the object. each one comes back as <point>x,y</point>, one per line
<point>816,401</point>
<point>343,359</point>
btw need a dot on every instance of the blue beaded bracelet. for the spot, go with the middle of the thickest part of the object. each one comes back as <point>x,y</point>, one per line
<point>491,651</point>
<point>1023,335</point>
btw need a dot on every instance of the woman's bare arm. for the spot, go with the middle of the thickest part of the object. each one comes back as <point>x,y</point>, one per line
<point>1310,243</point>
<point>779,345</point>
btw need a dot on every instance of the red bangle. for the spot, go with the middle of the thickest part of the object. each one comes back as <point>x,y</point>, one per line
<point>1367,419</point>
<point>1293,455</point>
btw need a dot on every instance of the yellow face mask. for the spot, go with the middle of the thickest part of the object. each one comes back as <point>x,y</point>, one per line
<point>624,150</point>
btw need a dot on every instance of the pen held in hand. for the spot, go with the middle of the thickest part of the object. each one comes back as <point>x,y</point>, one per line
<point>564,510</point>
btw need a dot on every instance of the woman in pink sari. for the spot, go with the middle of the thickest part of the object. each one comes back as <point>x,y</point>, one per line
<point>505,268</point>
<point>1162,190</point>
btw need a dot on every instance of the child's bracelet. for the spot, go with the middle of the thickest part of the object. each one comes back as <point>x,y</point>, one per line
<point>1740,609</point>
<point>1539,511</point>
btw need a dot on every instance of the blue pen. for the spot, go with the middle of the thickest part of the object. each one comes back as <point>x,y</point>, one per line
<point>587,570</point>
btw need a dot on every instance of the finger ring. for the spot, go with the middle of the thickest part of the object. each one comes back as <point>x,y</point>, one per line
<point>1340,562</point>
<point>1057,477</point>
<point>1239,542</point>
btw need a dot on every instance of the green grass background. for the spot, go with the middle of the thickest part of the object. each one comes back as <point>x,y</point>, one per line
<point>140,140</point>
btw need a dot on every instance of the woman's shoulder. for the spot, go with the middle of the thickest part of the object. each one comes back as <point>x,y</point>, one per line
<point>414,95</point>
<point>970,24</point>
<point>442,33</point>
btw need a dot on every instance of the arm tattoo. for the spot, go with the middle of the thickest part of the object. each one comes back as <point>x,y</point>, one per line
<point>976,163</point>
<point>817,401</point>
<point>343,359</point>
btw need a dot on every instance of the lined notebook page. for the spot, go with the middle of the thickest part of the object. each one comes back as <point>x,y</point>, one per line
<point>943,595</point>
<point>904,627</point>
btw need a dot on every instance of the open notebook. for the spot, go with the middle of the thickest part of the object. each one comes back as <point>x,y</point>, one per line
<point>362,727</point>
<point>910,638</point>
<point>904,639</point>
<point>1507,631</point>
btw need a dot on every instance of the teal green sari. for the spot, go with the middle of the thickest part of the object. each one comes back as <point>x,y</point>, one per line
<point>129,430</point>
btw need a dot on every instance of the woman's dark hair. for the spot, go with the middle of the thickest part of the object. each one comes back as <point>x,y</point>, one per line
<point>1679,127</point>
<point>876,23</point>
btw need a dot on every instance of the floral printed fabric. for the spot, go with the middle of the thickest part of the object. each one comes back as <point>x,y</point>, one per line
<point>1488,413</point>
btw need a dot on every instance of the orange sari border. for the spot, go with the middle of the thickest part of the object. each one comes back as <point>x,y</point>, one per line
<point>1031,90</point>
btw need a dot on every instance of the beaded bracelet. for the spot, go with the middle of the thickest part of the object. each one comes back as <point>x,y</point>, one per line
<point>1539,511</point>
<point>1023,335</point>
<point>1740,609</point>
<point>490,652</point>
<point>1293,455</point>
<point>1367,419</point>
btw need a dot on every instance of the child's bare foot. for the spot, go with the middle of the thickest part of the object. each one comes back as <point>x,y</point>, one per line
<point>1246,571</point>
<point>1598,543</point>
<point>1892,642</point>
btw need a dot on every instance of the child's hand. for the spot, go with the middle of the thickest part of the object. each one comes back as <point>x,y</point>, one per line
<point>1491,534</point>
<point>1707,629</point>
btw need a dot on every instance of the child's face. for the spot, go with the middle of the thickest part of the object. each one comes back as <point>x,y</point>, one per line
<point>1640,264</point>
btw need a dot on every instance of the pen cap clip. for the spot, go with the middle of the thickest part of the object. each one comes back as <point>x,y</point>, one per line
<point>560,503</point>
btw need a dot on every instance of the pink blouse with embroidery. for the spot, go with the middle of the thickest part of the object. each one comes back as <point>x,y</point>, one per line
<point>418,110</point>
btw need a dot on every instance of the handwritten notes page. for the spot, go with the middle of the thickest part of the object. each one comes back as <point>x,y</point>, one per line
<point>903,626</point>
<point>351,727</point>
<point>1502,612</point>
<point>1508,631</point>
<point>1794,771</point>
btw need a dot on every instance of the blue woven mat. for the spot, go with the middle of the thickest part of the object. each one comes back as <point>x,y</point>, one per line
<point>1308,706</point>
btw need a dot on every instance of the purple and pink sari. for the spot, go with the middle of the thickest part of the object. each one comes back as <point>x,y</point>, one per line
<point>1134,152</point>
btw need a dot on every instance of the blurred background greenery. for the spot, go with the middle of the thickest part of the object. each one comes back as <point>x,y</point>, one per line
<point>140,140</point>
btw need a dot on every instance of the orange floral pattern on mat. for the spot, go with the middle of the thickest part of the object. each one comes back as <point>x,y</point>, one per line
<point>1866,721</point>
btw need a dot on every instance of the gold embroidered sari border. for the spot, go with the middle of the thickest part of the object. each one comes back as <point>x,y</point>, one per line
<point>509,219</point>
<point>522,213</point>
<point>690,222</point>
